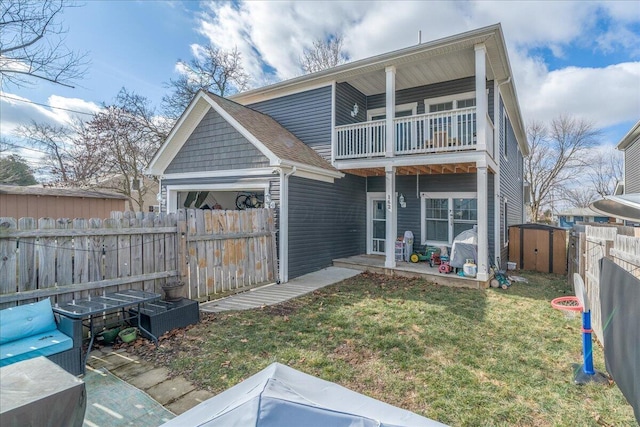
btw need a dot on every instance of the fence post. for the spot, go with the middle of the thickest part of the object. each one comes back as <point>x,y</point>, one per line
<point>181,258</point>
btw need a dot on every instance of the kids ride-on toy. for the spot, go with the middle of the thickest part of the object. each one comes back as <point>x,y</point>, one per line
<point>427,255</point>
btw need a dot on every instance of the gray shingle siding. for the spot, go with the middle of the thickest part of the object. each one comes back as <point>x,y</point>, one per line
<point>326,221</point>
<point>216,145</point>
<point>409,218</point>
<point>632,168</point>
<point>307,115</point>
<point>511,180</point>
<point>346,97</point>
<point>420,93</point>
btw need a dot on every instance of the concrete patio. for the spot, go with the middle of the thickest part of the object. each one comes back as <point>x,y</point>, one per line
<point>375,264</point>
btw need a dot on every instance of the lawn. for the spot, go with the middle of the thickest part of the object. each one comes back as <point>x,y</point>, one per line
<point>462,357</point>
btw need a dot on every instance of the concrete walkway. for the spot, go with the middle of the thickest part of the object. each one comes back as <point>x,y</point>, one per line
<point>274,294</point>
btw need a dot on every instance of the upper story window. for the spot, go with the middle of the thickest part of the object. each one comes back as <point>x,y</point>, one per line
<point>403,110</point>
<point>450,102</point>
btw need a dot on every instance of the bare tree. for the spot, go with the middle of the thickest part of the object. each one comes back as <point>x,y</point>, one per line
<point>605,171</point>
<point>32,44</point>
<point>323,54</point>
<point>557,153</point>
<point>129,133</point>
<point>579,197</point>
<point>66,161</point>
<point>213,69</point>
<point>108,152</point>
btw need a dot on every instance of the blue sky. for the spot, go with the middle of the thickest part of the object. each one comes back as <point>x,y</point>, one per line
<point>579,58</point>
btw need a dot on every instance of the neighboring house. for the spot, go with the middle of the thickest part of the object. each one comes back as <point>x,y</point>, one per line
<point>630,146</point>
<point>149,187</point>
<point>569,217</point>
<point>38,202</point>
<point>428,138</point>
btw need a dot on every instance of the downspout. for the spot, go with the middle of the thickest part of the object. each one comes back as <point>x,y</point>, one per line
<point>284,225</point>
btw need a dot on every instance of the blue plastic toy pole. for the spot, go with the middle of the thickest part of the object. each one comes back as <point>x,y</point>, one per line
<point>587,350</point>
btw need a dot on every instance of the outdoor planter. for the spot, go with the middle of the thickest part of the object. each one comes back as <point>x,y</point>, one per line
<point>173,290</point>
<point>161,316</point>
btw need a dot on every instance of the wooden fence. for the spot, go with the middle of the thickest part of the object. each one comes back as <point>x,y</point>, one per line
<point>211,251</point>
<point>588,247</point>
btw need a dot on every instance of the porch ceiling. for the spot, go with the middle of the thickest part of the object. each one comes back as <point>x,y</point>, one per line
<point>427,68</point>
<point>450,168</point>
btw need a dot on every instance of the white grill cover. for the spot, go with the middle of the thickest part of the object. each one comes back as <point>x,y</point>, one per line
<point>281,396</point>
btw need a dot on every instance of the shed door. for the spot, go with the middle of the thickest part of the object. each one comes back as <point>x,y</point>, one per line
<point>536,250</point>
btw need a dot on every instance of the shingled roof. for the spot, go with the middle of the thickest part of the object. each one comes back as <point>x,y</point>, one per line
<point>272,134</point>
<point>58,192</point>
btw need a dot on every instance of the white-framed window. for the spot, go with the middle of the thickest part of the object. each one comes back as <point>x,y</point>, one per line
<point>460,126</point>
<point>402,110</point>
<point>445,215</point>
<point>505,238</point>
<point>450,102</point>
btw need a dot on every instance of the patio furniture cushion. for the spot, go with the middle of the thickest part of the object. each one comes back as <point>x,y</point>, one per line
<point>25,321</point>
<point>42,344</point>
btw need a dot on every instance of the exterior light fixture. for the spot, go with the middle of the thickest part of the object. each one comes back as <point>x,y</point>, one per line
<point>355,110</point>
<point>403,203</point>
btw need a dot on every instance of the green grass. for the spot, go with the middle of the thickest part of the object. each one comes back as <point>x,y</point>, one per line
<point>462,357</point>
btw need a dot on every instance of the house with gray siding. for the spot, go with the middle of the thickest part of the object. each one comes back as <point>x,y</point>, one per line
<point>630,146</point>
<point>428,139</point>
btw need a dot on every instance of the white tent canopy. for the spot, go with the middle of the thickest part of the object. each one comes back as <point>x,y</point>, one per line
<point>626,206</point>
<point>281,396</point>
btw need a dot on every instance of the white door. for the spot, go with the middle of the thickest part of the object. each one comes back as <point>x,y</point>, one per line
<point>377,224</point>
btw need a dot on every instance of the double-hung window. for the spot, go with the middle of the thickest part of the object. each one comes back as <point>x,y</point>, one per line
<point>445,215</point>
<point>454,119</point>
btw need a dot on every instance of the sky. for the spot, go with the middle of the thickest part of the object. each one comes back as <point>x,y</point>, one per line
<point>575,58</point>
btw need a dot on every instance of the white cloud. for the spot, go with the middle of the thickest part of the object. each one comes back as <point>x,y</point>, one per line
<point>274,34</point>
<point>604,96</point>
<point>18,110</point>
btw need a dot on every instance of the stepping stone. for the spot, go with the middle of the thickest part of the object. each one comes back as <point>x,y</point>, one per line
<point>171,390</point>
<point>150,378</point>
<point>188,401</point>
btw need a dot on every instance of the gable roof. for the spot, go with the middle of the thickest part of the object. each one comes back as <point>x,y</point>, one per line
<point>427,55</point>
<point>280,146</point>
<point>631,136</point>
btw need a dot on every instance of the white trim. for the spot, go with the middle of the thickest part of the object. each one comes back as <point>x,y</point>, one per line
<point>505,133</point>
<point>414,160</point>
<point>312,169</point>
<point>370,198</point>
<point>173,190</point>
<point>448,98</point>
<point>497,207</point>
<point>267,93</point>
<point>333,122</point>
<point>411,106</point>
<point>221,173</point>
<point>505,223</point>
<point>181,131</point>
<point>441,195</point>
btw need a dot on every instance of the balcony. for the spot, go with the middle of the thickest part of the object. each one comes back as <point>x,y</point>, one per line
<point>442,132</point>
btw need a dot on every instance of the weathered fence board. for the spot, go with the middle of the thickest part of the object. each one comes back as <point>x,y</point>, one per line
<point>211,251</point>
<point>615,242</point>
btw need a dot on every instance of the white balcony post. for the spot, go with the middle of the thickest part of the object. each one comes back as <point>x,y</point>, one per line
<point>390,111</point>
<point>391,217</point>
<point>481,97</point>
<point>483,221</point>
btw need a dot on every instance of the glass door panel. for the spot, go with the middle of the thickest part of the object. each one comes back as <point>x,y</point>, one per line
<point>378,226</point>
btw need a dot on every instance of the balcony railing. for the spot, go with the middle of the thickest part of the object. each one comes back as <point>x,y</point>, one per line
<point>422,134</point>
